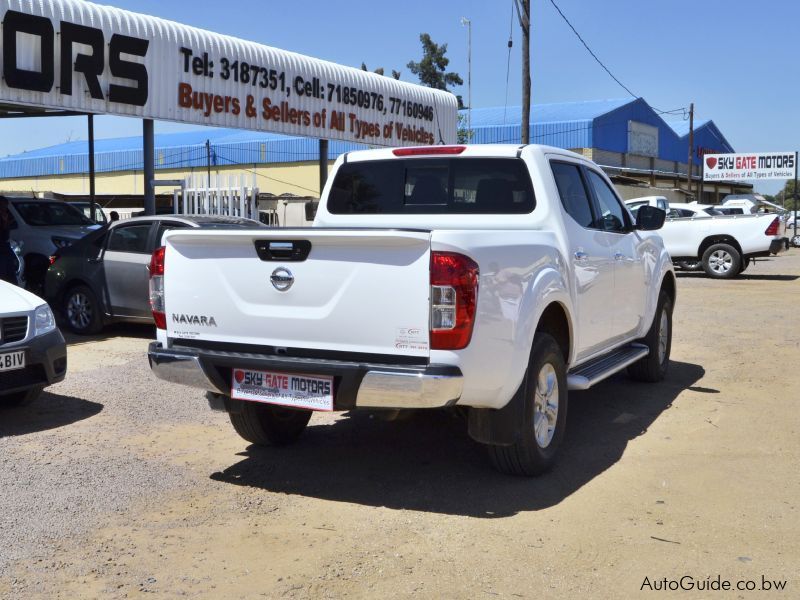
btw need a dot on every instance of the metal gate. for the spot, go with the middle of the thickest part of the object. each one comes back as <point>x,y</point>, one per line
<point>221,196</point>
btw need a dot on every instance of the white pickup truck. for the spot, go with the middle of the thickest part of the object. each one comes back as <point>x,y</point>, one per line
<point>722,245</point>
<point>490,278</point>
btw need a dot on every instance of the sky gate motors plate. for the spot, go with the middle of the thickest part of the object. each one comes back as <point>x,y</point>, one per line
<point>295,390</point>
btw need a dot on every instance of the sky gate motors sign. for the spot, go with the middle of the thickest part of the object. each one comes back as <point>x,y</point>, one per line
<point>74,55</point>
<point>768,165</point>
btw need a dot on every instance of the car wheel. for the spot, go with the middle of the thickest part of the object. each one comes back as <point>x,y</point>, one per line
<point>545,415</point>
<point>268,425</point>
<point>22,398</point>
<point>82,311</point>
<point>691,265</point>
<point>721,261</point>
<point>653,367</point>
<point>796,241</point>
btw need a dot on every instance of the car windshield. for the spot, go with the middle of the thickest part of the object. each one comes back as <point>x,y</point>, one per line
<point>44,214</point>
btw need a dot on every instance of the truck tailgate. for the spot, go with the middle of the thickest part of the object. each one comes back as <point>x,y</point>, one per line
<point>363,291</point>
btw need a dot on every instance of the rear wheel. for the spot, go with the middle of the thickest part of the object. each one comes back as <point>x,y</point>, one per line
<point>82,311</point>
<point>653,367</point>
<point>722,261</point>
<point>545,413</point>
<point>20,398</point>
<point>268,425</point>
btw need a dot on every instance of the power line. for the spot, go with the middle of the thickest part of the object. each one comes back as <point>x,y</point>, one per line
<point>606,69</point>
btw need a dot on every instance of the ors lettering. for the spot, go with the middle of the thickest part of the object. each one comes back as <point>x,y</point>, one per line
<point>88,65</point>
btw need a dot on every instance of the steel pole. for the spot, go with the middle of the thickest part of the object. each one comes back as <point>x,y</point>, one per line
<point>92,206</point>
<point>794,195</point>
<point>323,165</point>
<point>148,135</point>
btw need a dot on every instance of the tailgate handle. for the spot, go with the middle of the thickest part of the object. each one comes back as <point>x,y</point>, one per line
<point>283,250</point>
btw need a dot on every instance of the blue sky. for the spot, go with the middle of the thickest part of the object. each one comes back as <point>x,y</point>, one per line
<point>736,60</point>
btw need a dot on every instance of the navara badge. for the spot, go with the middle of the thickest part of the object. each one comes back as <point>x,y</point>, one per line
<point>282,279</point>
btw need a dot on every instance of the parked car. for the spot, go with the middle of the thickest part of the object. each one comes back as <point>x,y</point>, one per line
<point>491,278</point>
<point>33,354</point>
<point>698,237</point>
<point>42,227</point>
<point>86,208</point>
<point>103,278</point>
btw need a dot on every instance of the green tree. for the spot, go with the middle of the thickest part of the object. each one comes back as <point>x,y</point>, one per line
<point>787,196</point>
<point>432,69</point>
<point>379,71</point>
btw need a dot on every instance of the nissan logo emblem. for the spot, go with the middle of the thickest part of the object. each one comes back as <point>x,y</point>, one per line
<point>282,279</point>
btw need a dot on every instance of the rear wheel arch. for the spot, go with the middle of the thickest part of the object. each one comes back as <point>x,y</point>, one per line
<point>718,239</point>
<point>555,322</point>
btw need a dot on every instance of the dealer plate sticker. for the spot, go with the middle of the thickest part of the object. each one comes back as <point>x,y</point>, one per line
<point>312,392</point>
<point>11,361</point>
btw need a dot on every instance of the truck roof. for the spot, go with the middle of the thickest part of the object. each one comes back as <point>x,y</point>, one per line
<point>462,150</point>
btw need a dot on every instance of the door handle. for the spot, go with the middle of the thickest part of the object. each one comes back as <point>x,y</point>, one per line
<point>581,256</point>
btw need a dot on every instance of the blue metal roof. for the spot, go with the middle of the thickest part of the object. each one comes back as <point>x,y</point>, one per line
<point>601,124</point>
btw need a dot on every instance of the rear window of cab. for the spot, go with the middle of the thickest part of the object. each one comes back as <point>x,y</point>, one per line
<point>483,186</point>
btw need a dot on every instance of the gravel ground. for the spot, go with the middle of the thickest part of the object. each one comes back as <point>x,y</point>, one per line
<point>115,484</point>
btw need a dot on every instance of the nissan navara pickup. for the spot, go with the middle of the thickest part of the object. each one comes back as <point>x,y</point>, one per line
<point>488,278</point>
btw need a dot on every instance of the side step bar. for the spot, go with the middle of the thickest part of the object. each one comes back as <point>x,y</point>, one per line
<point>598,369</point>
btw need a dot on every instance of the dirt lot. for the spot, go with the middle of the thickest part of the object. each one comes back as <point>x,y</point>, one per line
<point>118,485</point>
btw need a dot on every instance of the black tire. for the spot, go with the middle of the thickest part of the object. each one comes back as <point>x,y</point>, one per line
<point>528,456</point>
<point>20,398</point>
<point>81,310</point>
<point>653,367</point>
<point>722,261</point>
<point>268,425</point>
<point>691,265</point>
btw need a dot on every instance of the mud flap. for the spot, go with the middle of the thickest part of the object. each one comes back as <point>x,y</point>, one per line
<point>499,426</point>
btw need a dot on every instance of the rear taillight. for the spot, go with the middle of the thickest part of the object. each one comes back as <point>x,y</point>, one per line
<point>454,297</point>
<point>773,227</point>
<point>157,288</point>
<point>53,259</point>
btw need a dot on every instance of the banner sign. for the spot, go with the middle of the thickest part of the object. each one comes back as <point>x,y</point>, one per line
<point>74,55</point>
<point>767,165</point>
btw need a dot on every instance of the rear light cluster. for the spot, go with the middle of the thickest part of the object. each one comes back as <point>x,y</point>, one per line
<point>773,227</point>
<point>157,288</point>
<point>454,298</point>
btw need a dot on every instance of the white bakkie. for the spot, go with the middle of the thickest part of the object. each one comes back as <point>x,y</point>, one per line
<point>487,278</point>
<point>722,245</point>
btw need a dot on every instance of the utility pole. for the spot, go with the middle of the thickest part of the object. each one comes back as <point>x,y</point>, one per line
<point>524,14</point>
<point>208,162</point>
<point>690,165</point>
<point>468,23</point>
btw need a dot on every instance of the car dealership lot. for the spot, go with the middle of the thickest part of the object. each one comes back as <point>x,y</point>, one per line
<point>115,483</point>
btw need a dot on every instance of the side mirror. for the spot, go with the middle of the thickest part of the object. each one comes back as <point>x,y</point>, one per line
<point>650,218</point>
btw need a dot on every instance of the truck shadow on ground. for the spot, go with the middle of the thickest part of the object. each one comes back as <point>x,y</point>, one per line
<point>428,462</point>
<point>744,276</point>
<point>49,411</point>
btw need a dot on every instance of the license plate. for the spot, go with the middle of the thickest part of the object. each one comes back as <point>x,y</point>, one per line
<point>311,392</point>
<point>10,361</point>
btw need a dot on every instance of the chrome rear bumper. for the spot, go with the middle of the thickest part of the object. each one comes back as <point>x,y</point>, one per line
<point>357,385</point>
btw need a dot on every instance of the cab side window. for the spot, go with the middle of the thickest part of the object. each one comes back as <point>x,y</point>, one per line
<point>132,238</point>
<point>573,193</point>
<point>611,215</point>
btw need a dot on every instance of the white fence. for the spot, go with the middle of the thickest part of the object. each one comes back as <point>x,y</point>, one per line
<point>224,196</point>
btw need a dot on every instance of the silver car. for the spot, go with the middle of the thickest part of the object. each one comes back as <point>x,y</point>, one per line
<point>41,227</point>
